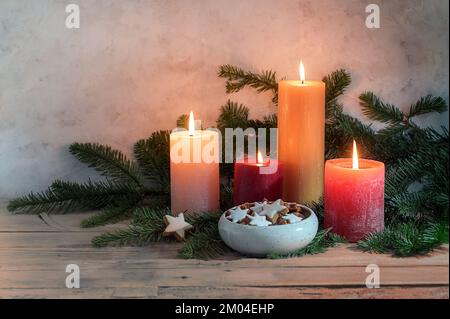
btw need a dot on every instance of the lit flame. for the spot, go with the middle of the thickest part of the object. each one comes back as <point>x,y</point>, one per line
<point>191,124</point>
<point>355,156</point>
<point>302,72</point>
<point>259,158</point>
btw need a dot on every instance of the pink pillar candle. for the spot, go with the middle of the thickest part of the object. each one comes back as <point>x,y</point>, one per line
<point>354,198</point>
<point>194,170</point>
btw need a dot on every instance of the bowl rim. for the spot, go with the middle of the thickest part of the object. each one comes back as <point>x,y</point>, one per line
<point>306,220</point>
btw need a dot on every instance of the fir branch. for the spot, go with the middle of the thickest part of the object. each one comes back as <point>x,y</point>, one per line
<point>426,105</point>
<point>204,243</point>
<point>237,79</point>
<point>270,121</point>
<point>351,128</point>
<point>335,85</point>
<point>233,115</point>
<point>153,157</point>
<point>122,237</point>
<point>183,121</point>
<point>147,226</point>
<point>323,240</point>
<point>436,233</point>
<point>68,196</point>
<point>406,239</point>
<point>204,220</point>
<point>109,215</point>
<point>109,162</point>
<point>377,110</point>
<point>412,205</point>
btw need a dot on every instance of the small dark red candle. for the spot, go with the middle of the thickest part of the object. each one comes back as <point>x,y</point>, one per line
<point>252,186</point>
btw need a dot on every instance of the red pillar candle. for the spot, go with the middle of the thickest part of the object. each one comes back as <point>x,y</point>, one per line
<point>252,186</point>
<point>354,197</point>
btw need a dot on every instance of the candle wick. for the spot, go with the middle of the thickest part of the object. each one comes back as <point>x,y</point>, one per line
<point>303,81</point>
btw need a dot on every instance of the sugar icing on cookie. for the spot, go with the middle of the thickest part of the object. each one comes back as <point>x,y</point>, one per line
<point>237,214</point>
<point>292,218</point>
<point>258,220</point>
<point>258,206</point>
<point>270,210</point>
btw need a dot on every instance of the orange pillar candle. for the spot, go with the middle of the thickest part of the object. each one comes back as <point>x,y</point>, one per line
<point>354,196</point>
<point>194,170</point>
<point>301,138</point>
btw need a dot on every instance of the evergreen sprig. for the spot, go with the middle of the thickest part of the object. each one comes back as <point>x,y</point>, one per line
<point>153,157</point>
<point>109,162</point>
<point>323,240</point>
<point>374,108</point>
<point>147,226</point>
<point>426,105</point>
<point>63,197</point>
<point>407,239</point>
<point>110,215</point>
<point>233,115</point>
<point>336,83</point>
<point>237,79</point>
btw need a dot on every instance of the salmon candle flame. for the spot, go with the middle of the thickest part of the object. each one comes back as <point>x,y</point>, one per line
<point>191,124</point>
<point>355,156</point>
<point>302,72</point>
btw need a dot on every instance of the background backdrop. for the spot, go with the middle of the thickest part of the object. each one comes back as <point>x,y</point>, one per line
<point>134,66</point>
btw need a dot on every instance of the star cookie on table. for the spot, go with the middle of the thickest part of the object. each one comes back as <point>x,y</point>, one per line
<point>176,226</point>
<point>258,220</point>
<point>272,210</point>
<point>258,206</point>
<point>237,214</point>
<point>292,218</point>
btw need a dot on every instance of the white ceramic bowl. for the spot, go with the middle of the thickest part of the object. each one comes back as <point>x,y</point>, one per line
<point>260,241</point>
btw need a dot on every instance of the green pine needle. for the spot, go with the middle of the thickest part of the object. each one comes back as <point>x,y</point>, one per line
<point>426,105</point>
<point>335,85</point>
<point>68,196</point>
<point>183,121</point>
<point>153,157</point>
<point>147,226</point>
<point>233,115</point>
<point>323,240</point>
<point>109,215</point>
<point>377,110</point>
<point>204,243</point>
<point>407,239</point>
<point>109,162</point>
<point>237,79</point>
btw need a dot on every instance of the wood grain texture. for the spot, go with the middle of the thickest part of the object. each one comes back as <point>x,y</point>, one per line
<point>34,251</point>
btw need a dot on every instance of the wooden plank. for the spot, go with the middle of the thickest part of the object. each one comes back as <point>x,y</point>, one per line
<point>153,258</point>
<point>47,239</point>
<point>163,255</point>
<point>49,223</point>
<point>232,293</point>
<point>104,276</point>
<point>394,292</point>
<point>64,293</point>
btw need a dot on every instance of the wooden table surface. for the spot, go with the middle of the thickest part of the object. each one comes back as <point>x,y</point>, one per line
<point>35,250</point>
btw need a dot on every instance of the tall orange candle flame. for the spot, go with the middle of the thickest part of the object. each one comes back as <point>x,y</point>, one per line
<point>191,124</point>
<point>301,72</point>
<point>355,156</point>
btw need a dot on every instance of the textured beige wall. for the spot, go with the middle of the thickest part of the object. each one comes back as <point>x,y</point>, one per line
<point>134,66</point>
